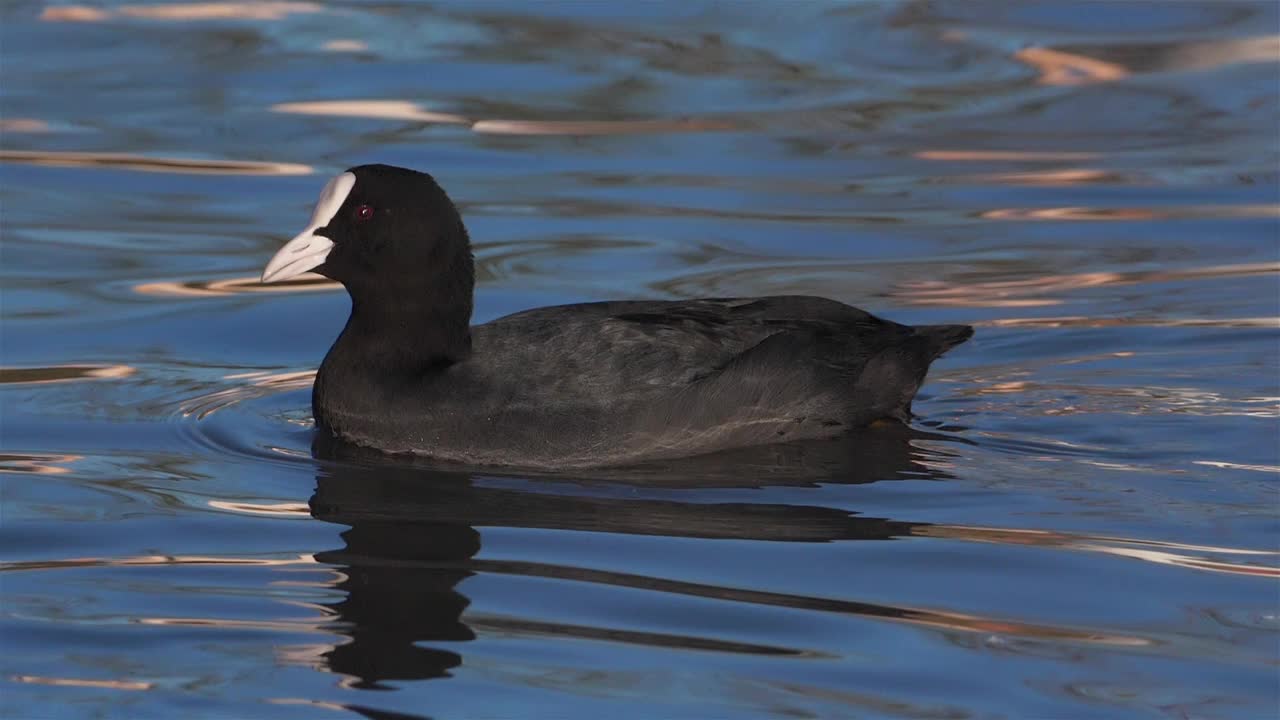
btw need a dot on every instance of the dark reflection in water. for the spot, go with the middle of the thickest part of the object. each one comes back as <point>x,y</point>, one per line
<point>397,592</point>
<point>1096,190</point>
<point>414,534</point>
<point>413,537</point>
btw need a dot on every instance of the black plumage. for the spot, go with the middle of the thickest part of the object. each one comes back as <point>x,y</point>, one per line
<point>581,385</point>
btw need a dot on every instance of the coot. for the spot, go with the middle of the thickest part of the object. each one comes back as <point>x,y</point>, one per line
<point>591,384</point>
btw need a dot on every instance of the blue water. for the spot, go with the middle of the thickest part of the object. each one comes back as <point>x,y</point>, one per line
<point>1081,523</point>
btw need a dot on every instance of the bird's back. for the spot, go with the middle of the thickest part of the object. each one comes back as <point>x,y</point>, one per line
<point>615,382</point>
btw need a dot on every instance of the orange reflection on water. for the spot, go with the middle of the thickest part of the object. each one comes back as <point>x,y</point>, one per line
<point>1084,321</point>
<point>1071,213</point>
<point>73,13</point>
<point>1022,292</point>
<point>1273,469</point>
<point>267,509</point>
<point>125,161</point>
<point>82,682</point>
<point>265,10</point>
<point>282,625</point>
<point>307,701</point>
<point>977,623</point>
<point>1155,551</point>
<point>597,127</point>
<point>307,655</point>
<point>23,125</point>
<point>154,560</point>
<point>260,384</point>
<point>1002,155</point>
<point>1049,178</point>
<point>306,282</point>
<point>62,373</point>
<point>373,109</point>
<point>345,45</point>
<point>1050,399</point>
<point>1063,68</point>
<point>1087,213</point>
<point>37,463</point>
<point>414,112</point>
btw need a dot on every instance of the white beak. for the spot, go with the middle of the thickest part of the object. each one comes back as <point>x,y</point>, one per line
<point>308,250</point>
<point>297,256</point>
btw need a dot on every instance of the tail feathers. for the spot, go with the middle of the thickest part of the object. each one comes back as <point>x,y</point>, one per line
<point>941,338</point>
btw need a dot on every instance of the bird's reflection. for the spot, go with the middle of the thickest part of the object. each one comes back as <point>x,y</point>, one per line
<point>412,528</point>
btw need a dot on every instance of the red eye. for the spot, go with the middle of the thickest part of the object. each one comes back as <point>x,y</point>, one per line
<point>364,212</point>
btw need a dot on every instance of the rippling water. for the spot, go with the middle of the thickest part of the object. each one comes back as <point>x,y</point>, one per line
<point>1083,523</point>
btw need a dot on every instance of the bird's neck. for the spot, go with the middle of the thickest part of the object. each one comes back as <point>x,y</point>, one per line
<point>402,341</point>
<point>382,357</point>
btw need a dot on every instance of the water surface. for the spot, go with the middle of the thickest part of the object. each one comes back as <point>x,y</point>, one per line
<point>1082,523</point>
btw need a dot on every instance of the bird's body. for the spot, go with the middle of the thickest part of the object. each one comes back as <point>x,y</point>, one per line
<point>615,382</point>
<point>590,384</point>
